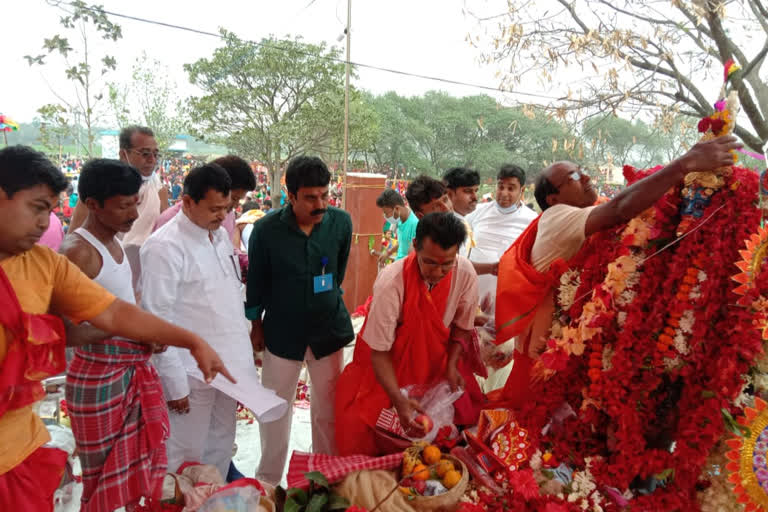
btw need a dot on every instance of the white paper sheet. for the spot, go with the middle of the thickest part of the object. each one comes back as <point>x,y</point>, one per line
<point>263,402</point>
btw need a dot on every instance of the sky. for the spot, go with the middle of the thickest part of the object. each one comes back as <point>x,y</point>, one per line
<point>427,37</point>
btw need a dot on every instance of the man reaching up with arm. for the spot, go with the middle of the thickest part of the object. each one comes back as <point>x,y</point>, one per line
<point>531,268</point>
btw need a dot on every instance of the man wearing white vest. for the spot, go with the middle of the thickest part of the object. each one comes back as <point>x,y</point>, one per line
<point>138,147</point>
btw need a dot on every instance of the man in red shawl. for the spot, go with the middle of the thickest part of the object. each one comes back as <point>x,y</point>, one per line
<point>35,281</point>
<point>420,319</point>
<point>530,269</point>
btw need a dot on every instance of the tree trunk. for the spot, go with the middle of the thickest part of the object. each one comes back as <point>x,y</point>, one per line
<point>275,173</point>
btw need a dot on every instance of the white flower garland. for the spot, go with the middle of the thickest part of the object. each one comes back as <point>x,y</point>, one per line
<point>569,284</point>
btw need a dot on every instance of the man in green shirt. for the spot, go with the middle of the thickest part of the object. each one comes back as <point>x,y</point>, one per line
<point>297,259</point>
<point>397,214</point>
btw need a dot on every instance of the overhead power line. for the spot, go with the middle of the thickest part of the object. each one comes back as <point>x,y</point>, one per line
<point>334,59</point>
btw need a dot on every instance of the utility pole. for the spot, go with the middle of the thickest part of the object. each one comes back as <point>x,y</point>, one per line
<point>346,107</point>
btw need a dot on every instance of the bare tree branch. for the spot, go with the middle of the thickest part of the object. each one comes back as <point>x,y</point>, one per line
<point>673,54</point>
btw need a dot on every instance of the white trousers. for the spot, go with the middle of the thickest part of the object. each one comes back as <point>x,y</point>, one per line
<point>282,375</point>
<point>206,433</point>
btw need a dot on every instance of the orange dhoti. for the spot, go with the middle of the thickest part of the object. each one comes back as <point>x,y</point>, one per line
<point>520,292</point>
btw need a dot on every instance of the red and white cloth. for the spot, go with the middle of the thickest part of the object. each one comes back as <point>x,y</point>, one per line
<point>335,468</point>
<point>389,421</point>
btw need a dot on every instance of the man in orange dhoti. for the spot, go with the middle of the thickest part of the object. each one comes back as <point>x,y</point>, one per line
<point>530,269</point>
<point>420,319</point>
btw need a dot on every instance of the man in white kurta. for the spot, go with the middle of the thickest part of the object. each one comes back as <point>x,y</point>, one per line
<point>496,225</point>
<point>191,278</point>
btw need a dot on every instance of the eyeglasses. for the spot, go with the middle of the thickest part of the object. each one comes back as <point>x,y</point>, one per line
<point>572,176</point>
<point>146,153</point>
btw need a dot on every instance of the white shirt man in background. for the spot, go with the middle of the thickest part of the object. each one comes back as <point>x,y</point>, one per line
<point>496,225</point>
<point>462,185</point>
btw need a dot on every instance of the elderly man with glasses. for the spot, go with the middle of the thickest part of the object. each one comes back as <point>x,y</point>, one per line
<point>530,269</point>
<point>420,319</point>
<point>138,147</point>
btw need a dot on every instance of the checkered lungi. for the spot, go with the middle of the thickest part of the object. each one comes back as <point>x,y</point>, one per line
<point>120,422</point>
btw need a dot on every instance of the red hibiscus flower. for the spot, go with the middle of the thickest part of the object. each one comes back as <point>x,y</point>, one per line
<point>554,358</point>
<point>523,482</point>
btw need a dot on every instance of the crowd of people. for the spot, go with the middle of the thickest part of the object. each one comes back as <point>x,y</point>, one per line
<point>150,293</point>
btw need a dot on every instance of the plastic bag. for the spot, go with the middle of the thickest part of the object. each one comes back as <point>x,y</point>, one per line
<point>244,495</point>
<point>61,438</point>
<point>494,356</point>
<point>437,403</point>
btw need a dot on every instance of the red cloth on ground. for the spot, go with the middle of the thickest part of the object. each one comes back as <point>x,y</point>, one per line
<point>419,356</point>
<point>120,422</point>
<point>334,468</point>
<point>519,292</point>
<point>29,487</point>
<point>35,350</point>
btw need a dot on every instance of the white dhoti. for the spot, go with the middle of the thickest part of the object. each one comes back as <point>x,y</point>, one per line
<point>282,376</point>
<point>207,433</point>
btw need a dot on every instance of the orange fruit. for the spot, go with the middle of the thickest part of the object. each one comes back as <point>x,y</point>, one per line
<point>420,472</point>
<point>431,454</point>
<point>443,467</point>
<point>451,478</point>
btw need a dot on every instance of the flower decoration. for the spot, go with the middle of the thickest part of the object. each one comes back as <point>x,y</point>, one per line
<point>729,68</point>
<point>753,260</point>
<point>661,356</point>
<point>714,124</point>
<point>748,466</point>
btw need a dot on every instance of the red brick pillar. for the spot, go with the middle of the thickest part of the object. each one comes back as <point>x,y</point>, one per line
<point>362,190</point>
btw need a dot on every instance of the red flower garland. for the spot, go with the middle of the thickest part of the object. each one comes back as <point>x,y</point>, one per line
<point>642,406</point>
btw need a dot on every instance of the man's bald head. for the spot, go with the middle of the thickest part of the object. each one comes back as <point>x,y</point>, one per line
<point>564,183</point>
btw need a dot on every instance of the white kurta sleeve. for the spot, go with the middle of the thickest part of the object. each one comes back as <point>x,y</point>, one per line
<point>161,267</point>
<point>467,306</point>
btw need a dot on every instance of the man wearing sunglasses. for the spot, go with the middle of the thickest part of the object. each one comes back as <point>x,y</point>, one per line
<point>138,147</point>
<point>529,270</point>
<point>420,319</point>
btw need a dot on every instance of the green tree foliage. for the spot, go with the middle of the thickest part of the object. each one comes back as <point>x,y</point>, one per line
<point>431,133</point>
<point>149,99</point>
<point>85,69</point>
<point>270,100</point>
<point>54,128</point>
<point>363,132</point>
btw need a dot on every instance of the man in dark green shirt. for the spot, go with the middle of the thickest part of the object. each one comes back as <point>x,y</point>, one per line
<point>297,259</point>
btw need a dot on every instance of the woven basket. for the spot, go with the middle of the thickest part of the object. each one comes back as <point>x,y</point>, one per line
<point>448,501</point>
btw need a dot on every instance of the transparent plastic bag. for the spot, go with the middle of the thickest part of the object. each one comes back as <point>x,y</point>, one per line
<point>244,495</point>
<point>437,403</point>
<point>494,356</point>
